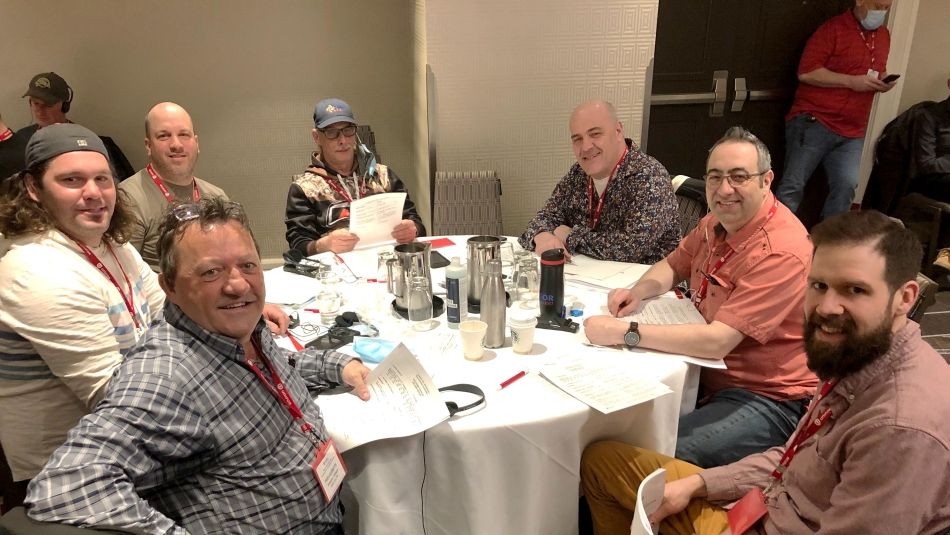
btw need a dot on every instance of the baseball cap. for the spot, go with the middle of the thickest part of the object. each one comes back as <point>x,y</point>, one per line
<point>49,87</point>
<point>331,111</point>
<point>57,139</point>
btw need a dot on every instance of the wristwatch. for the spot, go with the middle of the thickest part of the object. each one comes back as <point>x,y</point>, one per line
<point>632,337</point>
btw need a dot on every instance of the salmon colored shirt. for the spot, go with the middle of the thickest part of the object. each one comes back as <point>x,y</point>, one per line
<point>761,294</point>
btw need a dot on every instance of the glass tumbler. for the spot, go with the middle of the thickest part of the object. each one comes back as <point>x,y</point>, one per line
<point>528,279</point>
<point>329,298</point>
<point>419,309</point>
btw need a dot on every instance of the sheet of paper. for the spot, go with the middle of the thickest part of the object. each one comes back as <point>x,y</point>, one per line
<point>603,274</point>
<point>373,218</point>
<point>649,498</point>
<point>403,401</point>
<point>288,289</point>
<point>667,311</point>
<point>603,382</point>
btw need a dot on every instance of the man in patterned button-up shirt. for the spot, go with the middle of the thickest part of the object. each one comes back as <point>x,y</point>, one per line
<point>187,438</point>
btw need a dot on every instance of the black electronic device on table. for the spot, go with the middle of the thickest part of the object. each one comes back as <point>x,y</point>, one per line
<point>438,260</point>
<point>297,262</point>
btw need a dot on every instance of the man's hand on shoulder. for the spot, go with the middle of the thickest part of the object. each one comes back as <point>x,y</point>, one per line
<point>405,231</point>
<point>354,374</point>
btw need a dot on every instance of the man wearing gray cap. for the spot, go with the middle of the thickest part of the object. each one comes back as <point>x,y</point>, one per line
<point>343,169</point>
<point>75,295</point>
<point>50,100</point>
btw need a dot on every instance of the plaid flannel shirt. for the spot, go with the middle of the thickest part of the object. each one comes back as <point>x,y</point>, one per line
<point>187,439</point>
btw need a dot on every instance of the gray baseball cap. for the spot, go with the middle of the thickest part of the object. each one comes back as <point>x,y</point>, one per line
<point>57,139</point>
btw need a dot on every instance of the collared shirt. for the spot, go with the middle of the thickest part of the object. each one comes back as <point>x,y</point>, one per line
<point>639,219</point>
<point>187,439</point>
<point>841,45</point>
<point>760,293</point>
<point>880,465</point>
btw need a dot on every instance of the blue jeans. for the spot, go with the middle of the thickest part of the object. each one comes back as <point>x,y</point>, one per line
<point>735,423</point>
<point>809,143</point>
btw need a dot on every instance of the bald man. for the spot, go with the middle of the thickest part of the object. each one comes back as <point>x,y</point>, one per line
<point>615,203</point>
<point>172,147</point>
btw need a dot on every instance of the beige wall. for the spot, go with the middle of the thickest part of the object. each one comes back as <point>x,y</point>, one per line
<point>249,72</point>
<point>929,65</point>
<point>509,73</point>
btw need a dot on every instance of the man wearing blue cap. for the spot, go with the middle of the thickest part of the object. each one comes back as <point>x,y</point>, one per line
<point>341,170</point>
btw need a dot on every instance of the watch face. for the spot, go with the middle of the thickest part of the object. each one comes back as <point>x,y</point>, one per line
<point>632,339</point>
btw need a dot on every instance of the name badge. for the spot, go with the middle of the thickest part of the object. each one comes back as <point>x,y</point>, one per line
<point>329,469</point>
<point>747,511</point>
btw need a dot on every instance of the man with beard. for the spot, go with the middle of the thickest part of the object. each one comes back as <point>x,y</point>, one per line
<point>873,453</point>
<point>172,147</point>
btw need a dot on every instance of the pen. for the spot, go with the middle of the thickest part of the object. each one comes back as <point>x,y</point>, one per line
<point>314,310</point>
<point>507,382</point>
<point>340,261</point>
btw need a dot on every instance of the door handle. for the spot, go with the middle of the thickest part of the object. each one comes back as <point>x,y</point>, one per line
<point>717,97</point>
<point>741,95</point>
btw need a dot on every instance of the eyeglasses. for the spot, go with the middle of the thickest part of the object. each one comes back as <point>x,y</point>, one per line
<point>333,133</point>
<point>736,178</point>
<point>186,212</point>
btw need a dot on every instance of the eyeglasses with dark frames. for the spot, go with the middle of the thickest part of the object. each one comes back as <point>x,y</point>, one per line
<point>333,133</point>
<point>735,178</point>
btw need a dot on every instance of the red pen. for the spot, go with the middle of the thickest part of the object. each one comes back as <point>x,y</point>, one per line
<point>314,310</point>
<point>294,341</point>
<point>507,382</point>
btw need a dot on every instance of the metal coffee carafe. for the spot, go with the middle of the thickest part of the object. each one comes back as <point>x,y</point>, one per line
<point>412,260</point>
<point>481,249</point>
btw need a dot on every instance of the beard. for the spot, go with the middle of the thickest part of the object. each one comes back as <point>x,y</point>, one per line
<point>829,360</point>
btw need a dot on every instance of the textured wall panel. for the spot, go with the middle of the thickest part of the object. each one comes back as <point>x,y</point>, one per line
<point>509,74</point>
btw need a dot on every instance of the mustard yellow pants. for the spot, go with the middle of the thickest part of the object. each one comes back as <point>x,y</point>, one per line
<point>611,473</point>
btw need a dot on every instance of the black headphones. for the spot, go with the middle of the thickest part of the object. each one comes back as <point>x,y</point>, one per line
<point>68,100</point>
<point>470,389</point>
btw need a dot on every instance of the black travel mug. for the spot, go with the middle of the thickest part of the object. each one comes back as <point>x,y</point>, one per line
<point>551,294</point>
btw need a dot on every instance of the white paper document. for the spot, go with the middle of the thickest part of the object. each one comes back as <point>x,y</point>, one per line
<point>649,498</point>
<point>603,382</point>
<point>667,311</point>
<point>602,274</point>
<point>373,218</point>
<point>292,290</point>
<point>403,401</point>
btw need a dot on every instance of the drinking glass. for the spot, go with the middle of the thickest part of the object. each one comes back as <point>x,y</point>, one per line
<point>527,279</point>
<point>419,309</point>
<point>329,298</point>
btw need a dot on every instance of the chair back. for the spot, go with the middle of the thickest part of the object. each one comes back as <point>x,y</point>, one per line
<point>690,201</point>
<point>366,135</point>
<point>925,299</point>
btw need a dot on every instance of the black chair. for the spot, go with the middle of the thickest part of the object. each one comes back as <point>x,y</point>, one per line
<point>929,219</point>
<point>366,135</point>
<point>17,523</point>
<point>925,299</point>
<point>690,201</point>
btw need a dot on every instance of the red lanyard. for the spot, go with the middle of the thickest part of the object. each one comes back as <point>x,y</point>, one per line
<point>276,387</point>
<point>704,285</point>
<point>869,46</point>
<point>342,191</point>
<point>6,135</point>
<point>195,194</point>
<point>811,427</point>
<point>94,260</point>
<point>595,215</point>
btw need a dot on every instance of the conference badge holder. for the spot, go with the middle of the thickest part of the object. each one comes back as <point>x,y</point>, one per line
<point>329,469</point>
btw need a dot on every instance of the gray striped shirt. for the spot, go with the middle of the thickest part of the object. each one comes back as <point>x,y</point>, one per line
<point>187,439</point>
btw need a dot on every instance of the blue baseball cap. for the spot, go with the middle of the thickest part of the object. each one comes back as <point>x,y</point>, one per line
<point>331,111</point>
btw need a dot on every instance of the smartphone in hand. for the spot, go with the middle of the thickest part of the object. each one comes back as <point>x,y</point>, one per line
<point>890,78</point>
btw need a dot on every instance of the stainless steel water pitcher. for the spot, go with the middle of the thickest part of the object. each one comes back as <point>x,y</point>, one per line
<point>412,260</point>
<point>481,249</point>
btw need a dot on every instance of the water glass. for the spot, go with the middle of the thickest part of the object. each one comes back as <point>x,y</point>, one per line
<point>419,309</point>
<point>382,265</point>
<point>329,298</point>
<point>527,279</point>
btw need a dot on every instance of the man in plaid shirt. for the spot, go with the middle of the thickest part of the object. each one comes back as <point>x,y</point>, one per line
<point>195,433</point>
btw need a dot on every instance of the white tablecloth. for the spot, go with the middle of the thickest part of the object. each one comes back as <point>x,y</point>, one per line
<point>512,466</point>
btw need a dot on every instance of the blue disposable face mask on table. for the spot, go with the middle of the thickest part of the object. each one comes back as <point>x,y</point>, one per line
<point>373,350</point>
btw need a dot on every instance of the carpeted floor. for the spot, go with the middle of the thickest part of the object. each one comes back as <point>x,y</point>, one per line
<point>936,324</point>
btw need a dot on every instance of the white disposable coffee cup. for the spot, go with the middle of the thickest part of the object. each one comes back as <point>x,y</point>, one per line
<point>522,324</point>
<point>473,334</point>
